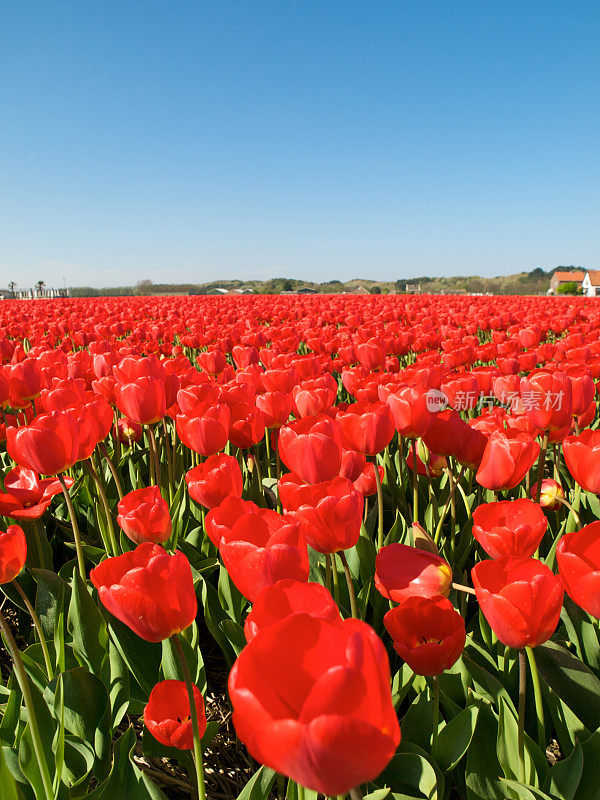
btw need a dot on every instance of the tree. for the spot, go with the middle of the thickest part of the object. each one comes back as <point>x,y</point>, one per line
<point>11,287</point>
<point>571,287</point>
<point>375,290</point>
<point>287,286</point>
<point>39,287</point>
<point>143,287</point>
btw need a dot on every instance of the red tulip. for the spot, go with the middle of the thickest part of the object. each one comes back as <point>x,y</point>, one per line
<point>215,479</point>
<point>27,495</point>
<point>24,379</point>
<point>312,448</point>
<point>409,407</point>
<point>506,460</point>
<point>207,431</point>
<point>551,494</point>
<point>263,547</point>
<point>144,516</point>
<point>223,517</point>
<point>277,601</point>
<point>366,484</point>
<point>276,408</point>
<point>246,426</point>
<point>13,553</point>
<point>311,700</point>
<point>547,397</point>
<point>582,457</point>
<point>509,527</point>
<point>366,427</point>
<point>427,633</point>
<point>331,515</point>
<point>148,590</point>
<point>127,431</point>
<point>167,715</point>
<point>402,571</point>
<point>520,598</point>
<point>578,558</point>
<point>48,446</point>
<point>143,400</point>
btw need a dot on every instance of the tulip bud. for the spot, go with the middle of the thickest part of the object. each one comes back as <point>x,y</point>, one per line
<point>551,495</point>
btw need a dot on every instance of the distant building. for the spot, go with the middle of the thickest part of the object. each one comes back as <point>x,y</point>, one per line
<point>564,276</point>
<point>360,290</point>
<point>218,290</point>
<point>307,290</point>
<point>242,290</point>
<point>41,294</point>
<point>413,288</point>
<point>591,283</point>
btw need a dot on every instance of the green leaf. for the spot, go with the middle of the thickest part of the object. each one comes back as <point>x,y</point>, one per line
<point>564,777</point>
<point>125,780</point>
<point>411,770</point>
<point>455,737</point>
<point>119,685</point>
<point>417,722</point>
<point>46,727</point>
<point>519,791</point>
<point>259,785</point>
<point>50,599</point>
<point>589,785</point>
<point>86,709</point>
<point>482,765</point>
<point>142,657</point>
<point>10,718</point>
<point>572,681</point>
<point>581,632</point>
<point>87,628</point>
<point>172,668</point>
<point>10,787</point>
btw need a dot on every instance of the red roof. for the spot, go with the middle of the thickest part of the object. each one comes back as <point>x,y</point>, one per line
<point>570,276</point>
<point>594,277</point>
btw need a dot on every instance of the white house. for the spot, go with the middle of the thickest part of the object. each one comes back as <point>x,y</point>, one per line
<point>591,283</point>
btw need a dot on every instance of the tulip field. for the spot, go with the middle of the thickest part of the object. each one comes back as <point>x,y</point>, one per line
<point>296,546</point>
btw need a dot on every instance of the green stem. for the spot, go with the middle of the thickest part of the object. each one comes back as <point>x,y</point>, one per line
<point>19,669</point>
<point>112,468</point>
<point>75,527</point>
<point>194,715</point>
<point>38,629</point>
<point>169,456</point>
<point>268,446</point>
<point>541,465</point>
<point>521,728</point>
<point>104,500</point>
<point>353,609</point>
<point>154,451</point>
<point>436,712</point>
<point>571,510</point>
<point>328,572</point>
<point>539,708</point>
<point>415,482</point>
<point>379,505</point>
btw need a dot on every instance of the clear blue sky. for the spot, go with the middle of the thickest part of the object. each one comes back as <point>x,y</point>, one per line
<point>192,141</point>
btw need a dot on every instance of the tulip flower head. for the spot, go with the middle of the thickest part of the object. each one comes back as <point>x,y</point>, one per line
<point>148,590</point>
<point>311,699</point>
<point>521,598</point>
<point>144,516</point>
<point>578,558</point>
<point>427,633</point>
<point>402,571</point>
<point>13,553</point>
<point>167,714</point>
<point>509,527</point>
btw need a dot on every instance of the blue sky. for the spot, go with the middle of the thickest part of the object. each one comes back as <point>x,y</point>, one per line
<point>192,141</point>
